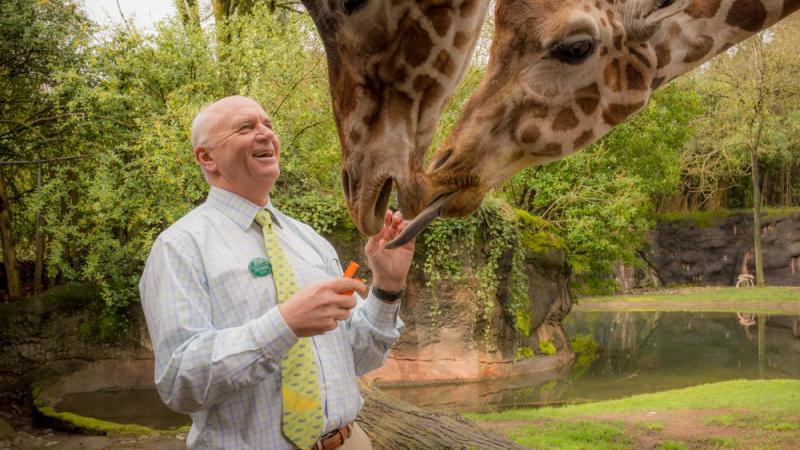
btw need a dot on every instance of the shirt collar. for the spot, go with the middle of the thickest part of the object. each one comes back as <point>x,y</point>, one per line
<point>241,210</point>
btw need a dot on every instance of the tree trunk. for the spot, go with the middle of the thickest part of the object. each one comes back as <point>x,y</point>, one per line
<point>14,283</point>
<point>394,424</point>
<point>757,219</point>
<point>38,269</point>
<point>789,198</point>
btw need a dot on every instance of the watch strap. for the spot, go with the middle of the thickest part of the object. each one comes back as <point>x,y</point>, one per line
<point>387,296</point>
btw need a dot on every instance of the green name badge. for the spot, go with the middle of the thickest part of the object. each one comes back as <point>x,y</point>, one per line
<point>260,267</point>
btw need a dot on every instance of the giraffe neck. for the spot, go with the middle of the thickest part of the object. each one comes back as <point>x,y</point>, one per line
<point>709,27</point>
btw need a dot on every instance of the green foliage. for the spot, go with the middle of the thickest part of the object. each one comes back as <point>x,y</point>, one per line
<point>600,200</point>
<point>524,352</point>
<point>547,348</point>
<point>468,250</point>
<point>108,326</point>
<point>535,233</point>
<point>129,112</point>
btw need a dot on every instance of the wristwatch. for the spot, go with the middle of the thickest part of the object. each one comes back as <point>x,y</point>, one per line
<point>387,296</point>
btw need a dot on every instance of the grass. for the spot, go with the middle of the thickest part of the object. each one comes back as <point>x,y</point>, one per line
<point>731,414</point>
<point>569,436</point>
<point>770,299</point>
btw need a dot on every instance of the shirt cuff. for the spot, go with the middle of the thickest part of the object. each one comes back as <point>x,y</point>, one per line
<point>380,314</point>
<point>273,334</point>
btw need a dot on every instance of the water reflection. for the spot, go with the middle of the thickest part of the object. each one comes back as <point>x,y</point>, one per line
<point>625,353</point>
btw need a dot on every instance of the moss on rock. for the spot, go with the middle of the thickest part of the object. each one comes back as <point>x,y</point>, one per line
<point>535,234</point>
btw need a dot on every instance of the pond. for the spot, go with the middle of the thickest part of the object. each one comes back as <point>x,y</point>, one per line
<point>618,354</point>
<point>626,353</point>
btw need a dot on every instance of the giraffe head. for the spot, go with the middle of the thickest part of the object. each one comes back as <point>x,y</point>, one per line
<point>562,73</point>
<point>392,66</point>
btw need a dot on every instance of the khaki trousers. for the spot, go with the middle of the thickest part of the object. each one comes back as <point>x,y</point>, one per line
<point>358,440</point>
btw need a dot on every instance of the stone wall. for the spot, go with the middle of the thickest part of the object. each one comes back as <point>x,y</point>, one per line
<point>712,252</point>
<point>48,333</point>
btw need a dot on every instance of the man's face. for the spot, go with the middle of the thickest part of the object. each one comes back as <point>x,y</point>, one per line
<point>243,147</point>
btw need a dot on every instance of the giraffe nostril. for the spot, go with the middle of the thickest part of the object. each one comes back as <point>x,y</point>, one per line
<point>441,159</point>
<point>346,187</point>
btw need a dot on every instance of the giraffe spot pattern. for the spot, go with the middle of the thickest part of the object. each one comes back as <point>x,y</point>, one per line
<point>460,40</point>
<point>663,55</point>
<point>789,6</point>
<point>551,149</point>
<point>706,9</point>
<point>444,63</point>
<point>612,76</point>
<point>440,19</point>
<point>416,46</point>
<point>565,120</point>
<point>617,112</point>
<point>468,8</point>
<point>748,15</point>
<point>530,134</point>
<point>588,98</point>
<point>422,81</point>
<point>635,78</point>
<point>583,139</point>
<point>432,95</point>
<point>656,83</point>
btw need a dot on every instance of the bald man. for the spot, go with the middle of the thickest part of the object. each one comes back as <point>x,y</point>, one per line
<point>218,331</point>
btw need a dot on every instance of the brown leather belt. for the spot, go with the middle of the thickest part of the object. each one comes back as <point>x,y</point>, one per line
<point>334,439</point>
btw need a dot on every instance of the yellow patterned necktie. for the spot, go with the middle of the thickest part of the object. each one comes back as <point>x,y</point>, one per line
<point>302,420</point>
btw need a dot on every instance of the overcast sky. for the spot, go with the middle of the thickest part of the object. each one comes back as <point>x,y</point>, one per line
<point>145,13</point>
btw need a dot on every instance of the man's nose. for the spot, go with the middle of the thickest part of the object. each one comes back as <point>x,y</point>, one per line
<point>264,132</point>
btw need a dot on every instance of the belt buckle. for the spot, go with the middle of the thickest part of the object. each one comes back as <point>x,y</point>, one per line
<point>319,444</point>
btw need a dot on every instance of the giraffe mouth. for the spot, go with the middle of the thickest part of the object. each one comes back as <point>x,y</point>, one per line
<point>423,219</point>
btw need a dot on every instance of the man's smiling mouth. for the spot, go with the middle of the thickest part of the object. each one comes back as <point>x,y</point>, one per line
<point>264,154</point>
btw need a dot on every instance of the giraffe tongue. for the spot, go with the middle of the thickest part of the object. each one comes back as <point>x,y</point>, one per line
<point>419,223</point>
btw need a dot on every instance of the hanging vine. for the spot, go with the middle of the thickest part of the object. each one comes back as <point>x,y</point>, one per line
<point>468,252</point>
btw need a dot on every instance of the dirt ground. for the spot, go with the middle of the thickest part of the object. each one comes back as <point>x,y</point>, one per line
<point>692,428</point>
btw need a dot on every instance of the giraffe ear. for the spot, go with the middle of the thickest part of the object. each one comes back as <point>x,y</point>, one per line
<point>642,18</point>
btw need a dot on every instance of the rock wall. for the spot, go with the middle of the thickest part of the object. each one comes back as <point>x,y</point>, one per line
<point>689,251</point>
<point>48,333</point>
<point>443,346</point>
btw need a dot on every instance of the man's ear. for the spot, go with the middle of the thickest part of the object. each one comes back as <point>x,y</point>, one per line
<point>204,159</point>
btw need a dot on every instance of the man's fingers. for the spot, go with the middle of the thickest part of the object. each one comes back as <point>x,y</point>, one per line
<point>344,285</point>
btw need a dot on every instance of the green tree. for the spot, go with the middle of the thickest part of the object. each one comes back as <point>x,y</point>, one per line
<point>130,113</point>
<point>754,91</point>
<point>38,40</point>
<point>602,199</point>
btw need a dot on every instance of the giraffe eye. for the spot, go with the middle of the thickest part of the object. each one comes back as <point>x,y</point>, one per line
<point>351,6</point>
<point>664,3</point>
<point>572,52</point>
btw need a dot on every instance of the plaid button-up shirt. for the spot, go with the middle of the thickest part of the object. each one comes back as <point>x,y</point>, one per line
<point>218,336</point>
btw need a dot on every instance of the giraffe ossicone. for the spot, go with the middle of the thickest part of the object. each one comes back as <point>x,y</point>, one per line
<point>562,74</point>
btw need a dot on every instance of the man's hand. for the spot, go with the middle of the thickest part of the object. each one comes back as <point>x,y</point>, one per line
<point>389,267</point>
<point>315,309</point>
